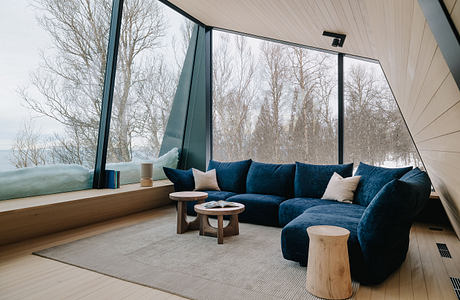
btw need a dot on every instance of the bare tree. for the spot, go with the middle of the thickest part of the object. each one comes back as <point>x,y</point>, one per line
<point>70,79</point>
<point>29,149</point>
<point>234,90</point>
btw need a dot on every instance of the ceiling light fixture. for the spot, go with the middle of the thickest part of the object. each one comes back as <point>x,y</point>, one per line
<point>338,40</point>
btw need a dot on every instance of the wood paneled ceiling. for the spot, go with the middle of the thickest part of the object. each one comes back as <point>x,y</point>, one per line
<point>395,33</point>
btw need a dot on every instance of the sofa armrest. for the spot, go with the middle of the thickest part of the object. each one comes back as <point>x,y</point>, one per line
<point>383,231</point>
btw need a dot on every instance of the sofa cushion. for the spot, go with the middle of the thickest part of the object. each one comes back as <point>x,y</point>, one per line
<point>311,180</point>
<point>421,185</point>
<point>295,241</point>
<point>373,179</point>
<point>339,209</point>
<point>341,189</point>
<point>212,196</point>
<point>259,209</point>
<point>270,179</point>
<point>182,179</point>
<point>205,180</point>
<point>231,176</point>
<point>292,208</point>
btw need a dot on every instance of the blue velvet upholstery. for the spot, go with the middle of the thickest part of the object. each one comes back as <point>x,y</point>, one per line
<point>373,179</point>
<point>270,179</point>
<point>259,209</point>
<point>295,241</point>
<point>182,179</point>
<point>384,229</point>
<point>292,208</point>
<point>231,176</point>
<point>212,196</point>
<point>339,209</point>
<point>379,236</point>
<point>311,180</point>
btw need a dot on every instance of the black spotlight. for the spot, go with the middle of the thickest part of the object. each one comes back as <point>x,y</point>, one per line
<point>338,40</point>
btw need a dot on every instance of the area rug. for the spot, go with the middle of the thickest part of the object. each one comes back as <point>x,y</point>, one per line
<point>247,266</point>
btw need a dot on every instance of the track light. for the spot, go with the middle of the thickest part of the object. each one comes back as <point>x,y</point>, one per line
<point>338,40</point>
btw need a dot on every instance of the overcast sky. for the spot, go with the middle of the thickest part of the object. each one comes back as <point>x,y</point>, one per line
<point>19,55</point>
<point>22,40</point>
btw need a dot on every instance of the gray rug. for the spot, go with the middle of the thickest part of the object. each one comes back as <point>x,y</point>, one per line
<point>247,266</point>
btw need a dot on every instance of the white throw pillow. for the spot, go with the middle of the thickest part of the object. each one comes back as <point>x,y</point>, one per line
<point>341,189</point>
<point>205,181</point>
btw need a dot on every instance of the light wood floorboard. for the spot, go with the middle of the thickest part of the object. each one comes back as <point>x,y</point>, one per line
<point>424,274</point>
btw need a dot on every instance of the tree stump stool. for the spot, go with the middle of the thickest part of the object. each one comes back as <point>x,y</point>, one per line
<point>328,269</point>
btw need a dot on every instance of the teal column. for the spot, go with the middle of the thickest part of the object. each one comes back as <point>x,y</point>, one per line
<point>188,126</point>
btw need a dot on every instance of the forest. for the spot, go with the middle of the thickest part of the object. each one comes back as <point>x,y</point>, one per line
<point>271,102</point>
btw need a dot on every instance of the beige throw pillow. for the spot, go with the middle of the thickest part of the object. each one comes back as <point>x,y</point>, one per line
<point>341,189</point>
<point>205,181</point>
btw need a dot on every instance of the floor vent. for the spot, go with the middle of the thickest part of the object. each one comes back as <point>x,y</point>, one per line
<point>435,228</point>
<point>456,284</point>
<point>443,250</point>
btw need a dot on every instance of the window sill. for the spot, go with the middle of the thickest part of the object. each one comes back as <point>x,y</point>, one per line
<point>25,218</point>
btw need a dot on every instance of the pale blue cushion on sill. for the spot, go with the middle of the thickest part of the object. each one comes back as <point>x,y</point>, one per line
<point>43,180</point>
<point>130,172</point>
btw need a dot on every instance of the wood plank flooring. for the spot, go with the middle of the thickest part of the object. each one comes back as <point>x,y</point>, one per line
<point>424,274</point>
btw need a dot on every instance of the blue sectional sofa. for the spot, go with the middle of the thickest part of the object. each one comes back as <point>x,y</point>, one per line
<point>289,195</point>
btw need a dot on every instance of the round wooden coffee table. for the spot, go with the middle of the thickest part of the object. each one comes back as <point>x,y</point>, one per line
<point>328,269</point>
<point>182,198</point>
<point>231,229</point>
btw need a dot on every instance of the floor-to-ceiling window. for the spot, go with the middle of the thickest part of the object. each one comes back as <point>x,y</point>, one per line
<point>273,102</point>
<point>152,47</point>
<point>52,62</point>
<point>375,132</point>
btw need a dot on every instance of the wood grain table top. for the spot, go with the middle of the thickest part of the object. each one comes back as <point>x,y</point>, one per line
<point>230,210</point>
<point>188,196</point>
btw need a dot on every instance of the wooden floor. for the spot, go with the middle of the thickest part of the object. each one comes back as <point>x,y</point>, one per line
<point>424,274</point>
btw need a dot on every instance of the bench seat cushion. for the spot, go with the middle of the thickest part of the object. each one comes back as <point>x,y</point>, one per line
<point>295,241</point>
<point>292,208</point>
<point>260,209</point>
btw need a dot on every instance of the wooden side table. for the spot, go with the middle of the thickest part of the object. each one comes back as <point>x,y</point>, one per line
<point>328,269</point>
<point>231,229</point>
<point>182,198</point>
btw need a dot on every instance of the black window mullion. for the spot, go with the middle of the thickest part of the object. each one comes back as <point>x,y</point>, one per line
<point>107,94</point>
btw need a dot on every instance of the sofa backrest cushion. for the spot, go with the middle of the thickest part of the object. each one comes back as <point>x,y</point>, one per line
<point>373,179</point>
<point>182,179</point>
<point>421,184</point>
<point>311,180</point>
<point>270,179</point>
<point>231,176</point>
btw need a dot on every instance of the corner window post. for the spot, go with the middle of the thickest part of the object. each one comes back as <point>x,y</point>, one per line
<point>107,94</point>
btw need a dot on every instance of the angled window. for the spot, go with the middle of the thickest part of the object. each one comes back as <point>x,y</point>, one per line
<point>375,132</point>
<point>152,48</point>
<point>273,102</point>
<point>53,59</point>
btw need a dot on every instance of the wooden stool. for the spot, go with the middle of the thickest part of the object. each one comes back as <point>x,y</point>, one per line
<point>182,198</point>
<point>328,270</point>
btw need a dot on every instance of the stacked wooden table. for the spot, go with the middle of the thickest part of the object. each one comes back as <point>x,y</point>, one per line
<point>201,222</point>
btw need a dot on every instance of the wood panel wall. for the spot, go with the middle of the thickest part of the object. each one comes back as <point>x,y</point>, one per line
<point>396,33</point>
